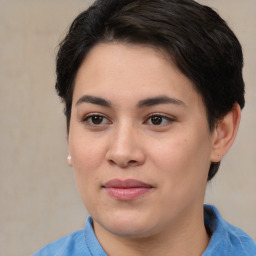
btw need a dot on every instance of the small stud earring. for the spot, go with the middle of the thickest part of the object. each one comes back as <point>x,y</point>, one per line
<point>69,157</point>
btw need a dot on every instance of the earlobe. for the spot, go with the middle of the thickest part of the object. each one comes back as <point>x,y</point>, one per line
<point>69,159</point>
<point>225,133</point>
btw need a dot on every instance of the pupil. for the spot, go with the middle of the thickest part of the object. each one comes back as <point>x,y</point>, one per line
<point>97,119</point>
<point>156,120</point>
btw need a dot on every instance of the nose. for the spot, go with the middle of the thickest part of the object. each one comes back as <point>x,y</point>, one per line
<point>125,148</point>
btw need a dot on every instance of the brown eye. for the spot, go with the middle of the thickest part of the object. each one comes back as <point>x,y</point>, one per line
<point>95,120</point>
<point>156,120</point>
<point>159,120</point>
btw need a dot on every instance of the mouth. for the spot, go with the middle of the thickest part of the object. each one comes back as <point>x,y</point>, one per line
<point>126,190</point>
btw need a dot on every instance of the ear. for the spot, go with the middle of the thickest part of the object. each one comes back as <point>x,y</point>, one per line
<point>225,132</point>
<point>69,158</point>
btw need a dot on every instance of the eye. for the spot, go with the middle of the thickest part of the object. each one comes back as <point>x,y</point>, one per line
<point>95,120</point>
<point>159,120</point>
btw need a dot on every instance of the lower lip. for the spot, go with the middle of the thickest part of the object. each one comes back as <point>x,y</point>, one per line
<point>126,194</point>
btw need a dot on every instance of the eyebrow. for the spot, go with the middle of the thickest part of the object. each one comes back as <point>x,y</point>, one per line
<point>148,102</point>
<point>94,100</point>
<point>159,100</point>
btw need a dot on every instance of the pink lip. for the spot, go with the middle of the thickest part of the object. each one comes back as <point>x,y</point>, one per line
<point>125,190</point>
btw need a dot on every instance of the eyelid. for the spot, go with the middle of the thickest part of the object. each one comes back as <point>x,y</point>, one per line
<point>86,117</point>
<point>169,118</point>
<point>161,115</point>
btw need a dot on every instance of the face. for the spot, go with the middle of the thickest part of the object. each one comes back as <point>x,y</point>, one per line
<point>139,141</point>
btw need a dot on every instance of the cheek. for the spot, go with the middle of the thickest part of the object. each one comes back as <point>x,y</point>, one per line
<point>171,154</point>
<point>87,156</point>
<point>182,159</point>
<point>182,171</point>
<point>87,153</point>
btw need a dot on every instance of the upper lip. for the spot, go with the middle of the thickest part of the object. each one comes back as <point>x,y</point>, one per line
<point>128,183</point>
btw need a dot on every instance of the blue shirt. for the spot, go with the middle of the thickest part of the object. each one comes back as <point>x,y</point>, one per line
<point>226,240</point>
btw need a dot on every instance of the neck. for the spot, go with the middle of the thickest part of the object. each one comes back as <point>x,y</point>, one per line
<point>187,237</point>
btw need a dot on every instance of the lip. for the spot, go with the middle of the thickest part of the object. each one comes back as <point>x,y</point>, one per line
<point>126,190</point>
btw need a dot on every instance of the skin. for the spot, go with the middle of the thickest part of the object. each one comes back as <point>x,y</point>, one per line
<point>172,152</point>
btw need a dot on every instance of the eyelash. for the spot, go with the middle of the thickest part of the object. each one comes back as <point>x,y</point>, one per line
<point>167,119</point>
<point>88,120</point>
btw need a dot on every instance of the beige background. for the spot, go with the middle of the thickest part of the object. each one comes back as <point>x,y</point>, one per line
<point>39,201</point>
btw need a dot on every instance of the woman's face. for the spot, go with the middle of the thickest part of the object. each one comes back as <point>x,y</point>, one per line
<point>139,141</point>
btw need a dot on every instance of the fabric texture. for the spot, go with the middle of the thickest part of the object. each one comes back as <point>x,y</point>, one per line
<point>226,240</point>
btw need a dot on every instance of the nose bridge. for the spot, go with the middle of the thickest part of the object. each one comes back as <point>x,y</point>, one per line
<point>124,139</point>
<point>125,148</point>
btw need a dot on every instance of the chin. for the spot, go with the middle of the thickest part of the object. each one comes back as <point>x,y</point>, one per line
<point>127,225</point>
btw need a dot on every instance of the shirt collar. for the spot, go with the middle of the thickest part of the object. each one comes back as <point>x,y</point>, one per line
<point>91,240</point>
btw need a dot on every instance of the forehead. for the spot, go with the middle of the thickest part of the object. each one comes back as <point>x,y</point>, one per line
<point>131,71</point>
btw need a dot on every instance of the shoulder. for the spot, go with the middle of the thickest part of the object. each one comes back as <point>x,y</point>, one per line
<point>226,238</point>
<point>65,246</point>
<point>80,243</point>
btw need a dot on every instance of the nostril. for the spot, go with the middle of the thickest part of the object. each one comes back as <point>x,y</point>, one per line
<point>112,162</point>
<point>123,164</point>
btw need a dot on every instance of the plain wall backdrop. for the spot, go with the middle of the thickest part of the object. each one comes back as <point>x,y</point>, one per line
<point>39,202</point>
